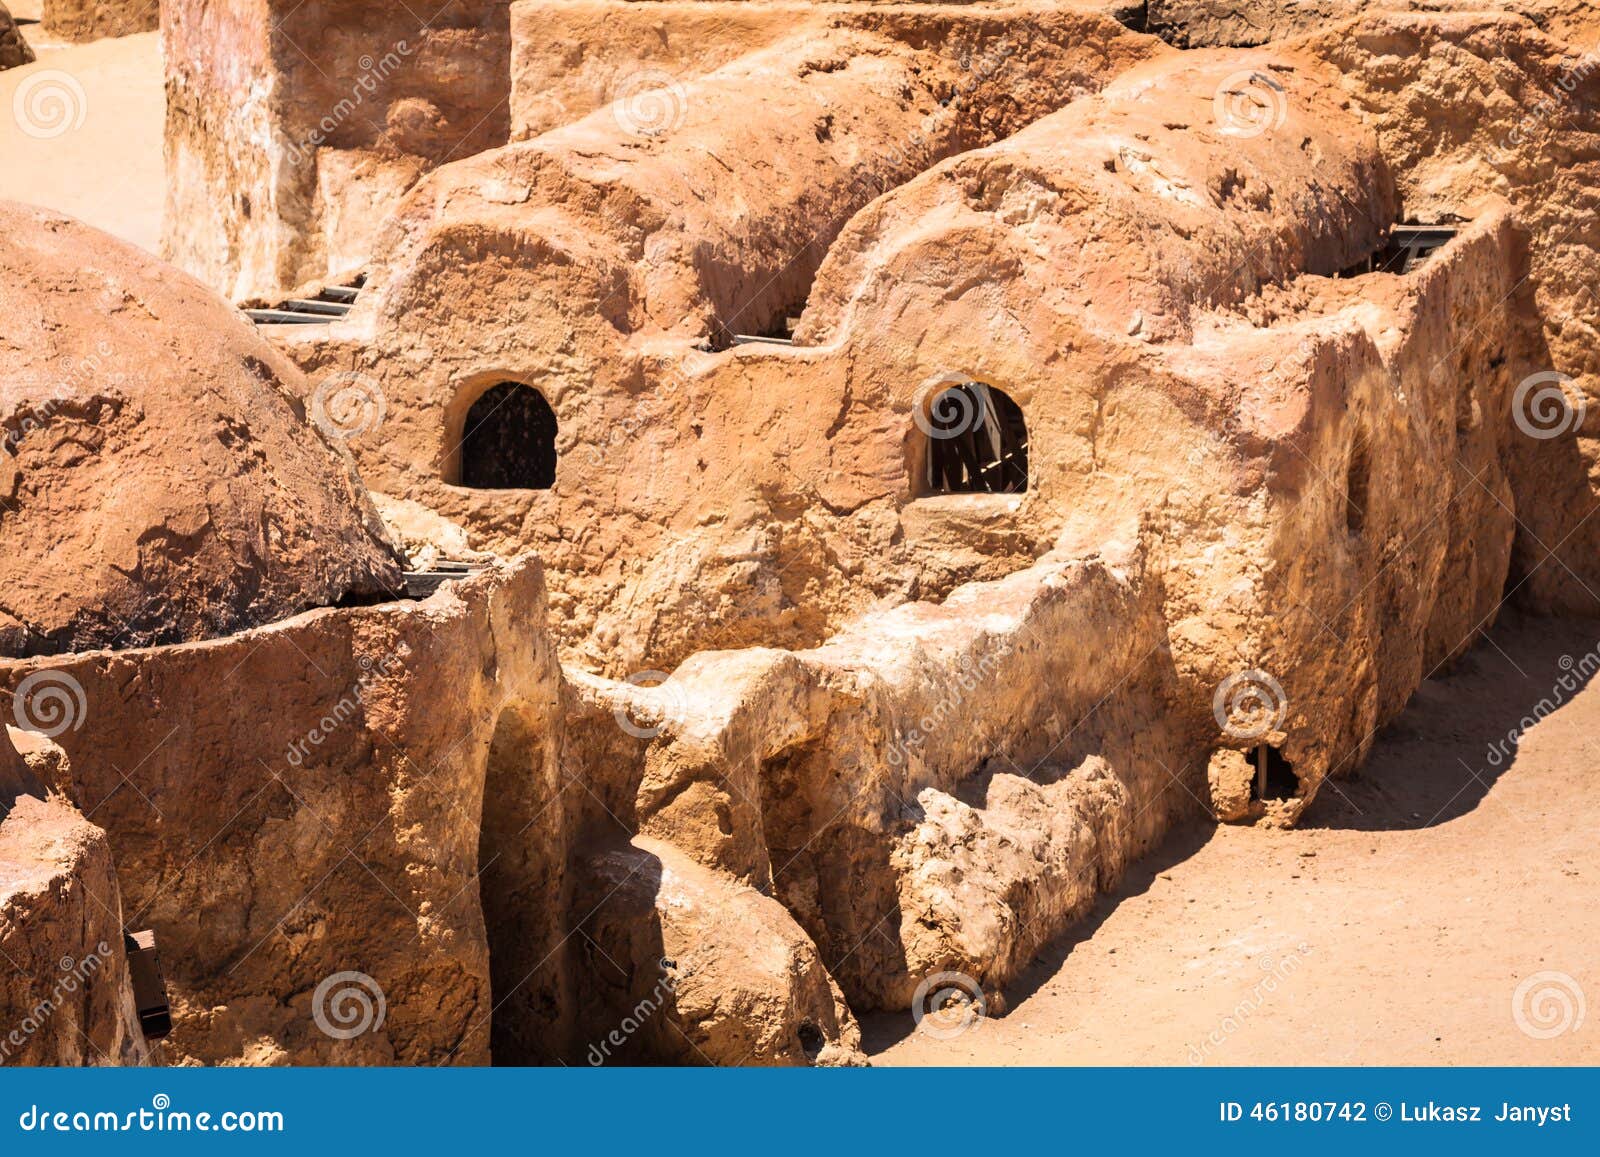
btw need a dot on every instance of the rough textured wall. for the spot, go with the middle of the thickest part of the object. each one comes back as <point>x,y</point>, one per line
<point>299,127</point>
<point>1387,518</point>
<point>92,19</point>
<point>65,994</point>
<point>226,218</point>
<point>892,786</point>
<point>713,971</point>
<point>1244,23</point>
<point>815,529</point>
<point>824,777</point>
<point>1230,401</point>
<point>1243,464</point>
<point>892,783</point>
<point>1205,23</point>
<point>1528,136</point>
<point>294,127</point>
<point>573,57</point>
<point>612,250</point>
<point>300,818</point>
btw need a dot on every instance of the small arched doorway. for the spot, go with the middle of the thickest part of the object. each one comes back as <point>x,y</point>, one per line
<point>508,440</point>
<point>975,441</point>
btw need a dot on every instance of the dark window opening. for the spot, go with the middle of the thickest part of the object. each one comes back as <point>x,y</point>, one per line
<point>778,331</point>
<point>1357,487</point>
<point>1135,17</point>
<point>811,1040</point>
<point>149,985</point>
<point>769,310</point>
<point>977,442</point>
<point>509,440</point>
<point>1275,777</point>
<point>1403,250</point>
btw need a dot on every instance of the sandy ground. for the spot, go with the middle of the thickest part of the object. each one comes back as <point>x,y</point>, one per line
<point>94,149</point>
<point>1393,927</point>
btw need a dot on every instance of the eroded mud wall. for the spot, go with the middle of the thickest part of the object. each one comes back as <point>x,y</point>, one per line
<point>295,127</point>
<point>295,811</point>
<point>1528,136</point>
<point>65,995</point>
<point>92,19</point>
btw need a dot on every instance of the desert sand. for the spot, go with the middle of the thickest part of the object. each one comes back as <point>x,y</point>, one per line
<point>107,170</point>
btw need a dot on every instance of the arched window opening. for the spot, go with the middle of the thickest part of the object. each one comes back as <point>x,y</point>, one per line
<point>977,442</point>
<point>508,441</point>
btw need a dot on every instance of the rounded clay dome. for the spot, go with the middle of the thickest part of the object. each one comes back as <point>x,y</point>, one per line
<point>159,481</point>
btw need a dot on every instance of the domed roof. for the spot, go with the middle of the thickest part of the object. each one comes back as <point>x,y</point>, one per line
<point>159,481</point>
